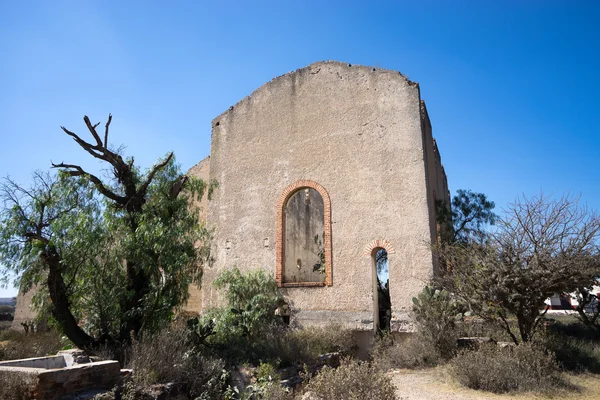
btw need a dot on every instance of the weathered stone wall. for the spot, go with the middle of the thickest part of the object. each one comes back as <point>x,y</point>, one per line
<point>24,311</point>
<point>200,170</point>
<point>436,176</point>
<point>360,133</point>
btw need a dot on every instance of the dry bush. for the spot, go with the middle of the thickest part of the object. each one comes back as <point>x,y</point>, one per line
<point>498,369</point>
<point>305,345</point>
<point>168,357</point>
<point>294,346</point>
<point>353,380</point>
<point>15,387</point>
<point>412,352</point>
<point>16,345</point>
<point>276,392</point>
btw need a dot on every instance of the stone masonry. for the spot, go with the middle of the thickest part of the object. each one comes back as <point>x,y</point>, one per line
<point>361,137</point>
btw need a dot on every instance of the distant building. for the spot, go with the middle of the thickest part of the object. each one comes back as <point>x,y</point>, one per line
<point>569,302</point>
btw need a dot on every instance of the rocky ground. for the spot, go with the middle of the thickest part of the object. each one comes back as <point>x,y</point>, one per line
<point>436,384</point>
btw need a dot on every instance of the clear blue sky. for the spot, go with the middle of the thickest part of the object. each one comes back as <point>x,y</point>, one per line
<point>512,87</point>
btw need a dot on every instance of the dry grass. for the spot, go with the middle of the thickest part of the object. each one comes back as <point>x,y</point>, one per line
<point>15,345</point>
<point>168,357</point>
<point>439,384</point>
<point>409,352</point>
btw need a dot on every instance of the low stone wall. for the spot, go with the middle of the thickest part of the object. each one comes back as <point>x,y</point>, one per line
<point>54,384</point>
<point>53,378</point>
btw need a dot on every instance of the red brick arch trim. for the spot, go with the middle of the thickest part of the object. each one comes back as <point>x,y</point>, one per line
<point>279,243</point>
<point>378,244</point>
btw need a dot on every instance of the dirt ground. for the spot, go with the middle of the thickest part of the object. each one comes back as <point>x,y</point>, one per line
<point>436,384</point>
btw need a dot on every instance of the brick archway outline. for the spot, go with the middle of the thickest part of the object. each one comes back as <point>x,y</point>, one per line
<point>378,244</point>
<point>280,247</point>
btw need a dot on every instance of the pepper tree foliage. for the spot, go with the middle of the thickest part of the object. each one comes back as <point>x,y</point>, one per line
<point>542,247</point>
<point>112,256</point>
<point>466,218</point>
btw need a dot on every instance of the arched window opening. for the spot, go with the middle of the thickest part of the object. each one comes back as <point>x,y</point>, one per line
<point>381,290</point>
<point>304,237</point>
<point>303,245</point>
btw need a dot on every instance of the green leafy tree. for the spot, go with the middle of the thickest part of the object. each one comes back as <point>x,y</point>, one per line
<point>114,254</point>
<point>541,247</point>
<point>467,218</point>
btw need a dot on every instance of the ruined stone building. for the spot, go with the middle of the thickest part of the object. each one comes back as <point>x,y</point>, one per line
<point>319,171</point>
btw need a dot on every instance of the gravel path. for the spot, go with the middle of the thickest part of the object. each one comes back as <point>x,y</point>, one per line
<point>436,384</point>
<point>429,385</point>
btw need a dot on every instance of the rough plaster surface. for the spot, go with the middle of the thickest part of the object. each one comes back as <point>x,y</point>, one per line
<point>200,170</point>
<point>364,135</point>
<point>23,309</point>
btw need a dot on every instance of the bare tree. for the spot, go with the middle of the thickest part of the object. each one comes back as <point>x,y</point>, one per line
<point>542,247</point>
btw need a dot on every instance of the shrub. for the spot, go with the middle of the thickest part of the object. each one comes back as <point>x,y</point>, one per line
<point>238,330</point>
<point>412,352</point>
<point>169,357</point>
<point>436,312</point>
<point>353,380</point>
<point>492,368</point>
<point>252,299</point>
<point>267,385</point>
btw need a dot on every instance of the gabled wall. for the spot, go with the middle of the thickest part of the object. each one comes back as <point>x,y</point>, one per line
<point>357,131</point>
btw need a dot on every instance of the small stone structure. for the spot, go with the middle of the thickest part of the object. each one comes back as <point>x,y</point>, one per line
<point>67,373</point>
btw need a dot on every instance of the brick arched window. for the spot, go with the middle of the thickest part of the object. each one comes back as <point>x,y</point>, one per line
<point>303,242</point>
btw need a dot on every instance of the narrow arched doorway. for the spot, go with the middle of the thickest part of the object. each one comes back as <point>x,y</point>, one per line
<point>382,304</point>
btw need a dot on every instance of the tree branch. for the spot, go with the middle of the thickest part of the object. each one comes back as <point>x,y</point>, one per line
<point>92,129</point>
<point>106,130</point>
<point>142,189</point>
<point>76,170</point>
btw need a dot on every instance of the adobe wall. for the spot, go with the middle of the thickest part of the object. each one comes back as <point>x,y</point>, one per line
<point>24,312</point>
<point>355,130</point>
<point>200,170</point>
<point>437,182</point>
